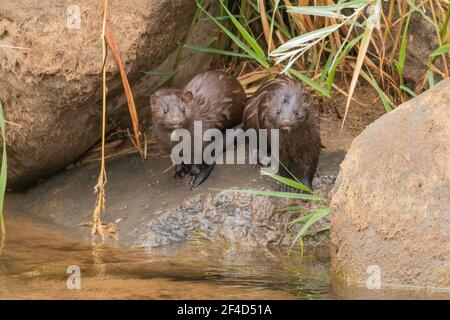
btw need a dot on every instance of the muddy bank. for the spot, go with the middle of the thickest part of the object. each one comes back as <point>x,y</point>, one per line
<point>151,209</point>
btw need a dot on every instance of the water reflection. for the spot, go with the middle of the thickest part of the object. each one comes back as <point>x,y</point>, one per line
<point>35,258</point>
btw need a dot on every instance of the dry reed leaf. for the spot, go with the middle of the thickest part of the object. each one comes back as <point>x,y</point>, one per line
<point>251,90</point>
<point>169,168</point>
<point>96,224</point>
<point>298,19</point>
<point>126,86</point>
<point>436,24</point>
<point>252,77</point>
<point>403,8</point>
<point>304,20</point>
<point>265,25</point>
<point>359,62</point>
<point>110,145</point>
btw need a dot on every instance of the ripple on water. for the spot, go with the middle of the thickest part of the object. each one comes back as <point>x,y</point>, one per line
<point>34,259</point>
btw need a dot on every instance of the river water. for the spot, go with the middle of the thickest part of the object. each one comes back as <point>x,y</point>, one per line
<point>35,258</point>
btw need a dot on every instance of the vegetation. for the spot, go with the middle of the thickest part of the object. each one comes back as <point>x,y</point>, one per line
<point>107,39</point>
<point>317,41</point>
<point>300,192</point>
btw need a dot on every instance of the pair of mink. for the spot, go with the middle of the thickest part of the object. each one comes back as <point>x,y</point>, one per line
<point>219,101</point>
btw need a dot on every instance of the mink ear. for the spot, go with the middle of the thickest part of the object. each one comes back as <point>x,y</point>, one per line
<point>306,98</point>
<point>154,99</point>
<point>267,99</point>
<point>200,100</point>
<point>187,95</point>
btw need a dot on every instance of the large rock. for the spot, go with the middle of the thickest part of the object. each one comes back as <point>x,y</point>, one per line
<point>421,42</point>
<point>391,201</point>
<point>51,93</point>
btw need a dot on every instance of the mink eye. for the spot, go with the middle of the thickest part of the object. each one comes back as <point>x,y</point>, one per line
<point>296,112</point>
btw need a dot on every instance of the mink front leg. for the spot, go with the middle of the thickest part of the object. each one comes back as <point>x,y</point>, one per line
<point>200,173</point>
<point>181,170</point>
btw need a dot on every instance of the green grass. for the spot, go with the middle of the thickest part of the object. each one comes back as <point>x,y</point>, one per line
<point>317,41</point>
<point>244,39</point>
<point>305,194</point>
<point>444,49</point>
<point>186,36</point>
<point>3,170</point>
<point>400,64</point>
<point>249,45</point>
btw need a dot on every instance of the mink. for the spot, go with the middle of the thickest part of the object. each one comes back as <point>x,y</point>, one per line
<point>284,104</point>
<point>213,97</point>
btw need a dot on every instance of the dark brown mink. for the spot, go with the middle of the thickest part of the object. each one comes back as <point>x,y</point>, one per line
<point>284,104</point>
<point>213,97</point>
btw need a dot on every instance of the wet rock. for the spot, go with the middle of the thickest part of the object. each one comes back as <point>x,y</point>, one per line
<point>150,214</point>
<point>421,42</point>
<point>391,202</point>
<point>233,217</point>
<point>51,91</point>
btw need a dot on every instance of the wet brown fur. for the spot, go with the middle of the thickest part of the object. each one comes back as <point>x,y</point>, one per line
<point>300,144</point>
<point>213,97</point>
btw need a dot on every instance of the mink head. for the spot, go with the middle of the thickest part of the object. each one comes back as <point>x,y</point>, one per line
<point>287,104</point>
<point>172,108</point>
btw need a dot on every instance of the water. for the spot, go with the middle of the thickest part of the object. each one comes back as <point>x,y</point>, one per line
<point>34,259</point>
<point>35,256</point>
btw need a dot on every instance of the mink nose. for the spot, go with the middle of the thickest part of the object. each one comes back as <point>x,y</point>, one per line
<point>286,123</point>
<point>175,121</point>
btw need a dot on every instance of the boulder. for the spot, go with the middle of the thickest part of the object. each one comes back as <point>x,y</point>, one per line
<point>391,202</point>
<point>51,90</point>
<point>421,42</point>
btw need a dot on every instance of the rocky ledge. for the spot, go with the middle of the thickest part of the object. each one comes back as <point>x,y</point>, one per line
<point>150,209</point>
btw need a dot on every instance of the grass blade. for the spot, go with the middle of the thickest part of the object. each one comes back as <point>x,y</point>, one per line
<point>247,36</point>
<point>277,194</point>
<point>165,77</point>
<point>387,103</point>
<point>402,54</point>
<point>316,86</point>
<point>430,77</point>
<point>293,209</point>
<point>316,215</point>
<point>338,59</point>
<point>126,86</point>
<point>272,23</point>
<point>409,91</point>
<point>289,182</point>
<point>330,11</point>
<point>186,36</point>
<point>235,39</point>
<point>371,21</point>
<point>301,219</point>
<point>218,51</point>
<point>304,39</point>
<point>156,73</point>
<point>441,50</point>
<point>265,25</point>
